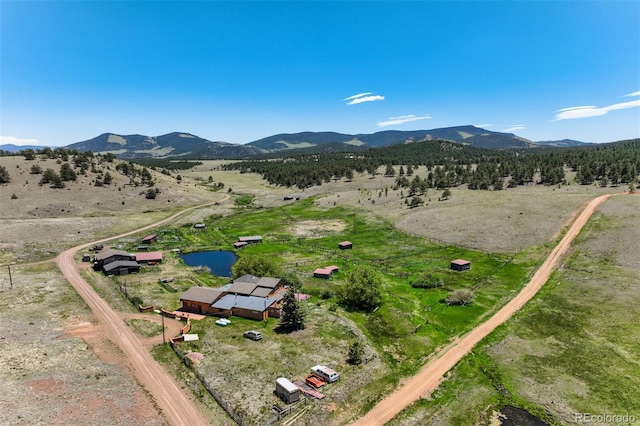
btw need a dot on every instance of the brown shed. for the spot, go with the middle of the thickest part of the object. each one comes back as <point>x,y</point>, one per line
<point>460,265</point>
<point>150,239</point>
<point>345,245</point>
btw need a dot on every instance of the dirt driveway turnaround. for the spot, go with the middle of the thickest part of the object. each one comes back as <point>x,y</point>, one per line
<point>430,376</point>
<point>176,406</point>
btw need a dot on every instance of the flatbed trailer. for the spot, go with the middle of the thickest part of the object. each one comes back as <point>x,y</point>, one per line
<point>308,390</point>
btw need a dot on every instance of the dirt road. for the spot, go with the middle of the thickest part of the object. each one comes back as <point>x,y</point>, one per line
<point>176,406</point>
<point>430,376</point>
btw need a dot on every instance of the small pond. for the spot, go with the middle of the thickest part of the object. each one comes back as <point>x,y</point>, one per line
<point>218,261</point>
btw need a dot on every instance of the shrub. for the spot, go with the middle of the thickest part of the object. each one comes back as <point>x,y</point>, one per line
<point>427,281</point>
<point>461,297</point>
<point>362,290</point>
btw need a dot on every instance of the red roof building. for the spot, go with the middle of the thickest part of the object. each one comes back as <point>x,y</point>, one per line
<point>150,257</point>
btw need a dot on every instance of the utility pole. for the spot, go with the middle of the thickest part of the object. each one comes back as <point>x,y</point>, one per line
<point>10,279</point>
<point>163,339</point>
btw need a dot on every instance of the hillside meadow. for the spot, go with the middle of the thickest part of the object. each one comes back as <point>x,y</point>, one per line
<point>400,242</point>
<point>571,350</point>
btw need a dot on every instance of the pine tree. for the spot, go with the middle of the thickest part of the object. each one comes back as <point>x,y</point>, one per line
<point>292,316</point>
<point>356,352</point>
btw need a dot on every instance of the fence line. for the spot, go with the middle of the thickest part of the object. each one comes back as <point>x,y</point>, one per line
<point>225,406</point>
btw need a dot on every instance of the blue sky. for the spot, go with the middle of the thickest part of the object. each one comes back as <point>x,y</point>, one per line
<point>239,71</point>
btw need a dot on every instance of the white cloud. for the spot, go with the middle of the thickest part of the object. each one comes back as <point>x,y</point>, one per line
<point>358,95</point>
<point>482,126</point>
<point>402,119</point>
<point>594,111</point>
<point>17,141</point>
<point>363,97</point>
<point>514,128</point>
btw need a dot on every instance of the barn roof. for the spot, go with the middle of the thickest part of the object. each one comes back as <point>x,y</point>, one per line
<point>460,262</point>
<point>201,294</point>
<point>111,252</point>
<point>120,264</point>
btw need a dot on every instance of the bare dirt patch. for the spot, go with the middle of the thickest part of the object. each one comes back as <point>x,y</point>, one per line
<point>51,375</point>
<point>317,228</point>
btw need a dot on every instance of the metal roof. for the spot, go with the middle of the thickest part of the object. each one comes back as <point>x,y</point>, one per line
<point>247,278</point>
<point>242,288</point>
<point>261,292</point>
<point>201,294</point>
<point>149,256</point>
<point>253,303</point>
<point>269,282</point>
<point>120,264</point>
<point>111,252</point>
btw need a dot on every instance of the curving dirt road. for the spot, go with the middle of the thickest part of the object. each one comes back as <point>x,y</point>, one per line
<point>430,376</point>
<point>176,406</point>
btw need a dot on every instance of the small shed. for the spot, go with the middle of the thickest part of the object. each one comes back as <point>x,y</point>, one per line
<point>287,391</point>
<point>250,239</point>
<point>345,245</point>
<point>150,239</point>
<point>322,273</point>
<point>460,265</point>
<point>325,272</point>
<point>199,226</point>
<point>240,244</point>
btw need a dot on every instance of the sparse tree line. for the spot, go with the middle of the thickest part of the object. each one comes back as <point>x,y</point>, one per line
<point>449,165</point>
<point>74,163</point>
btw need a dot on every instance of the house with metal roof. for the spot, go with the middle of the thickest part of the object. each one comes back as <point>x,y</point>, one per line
<point>200,299</point>
<point>247,296</point>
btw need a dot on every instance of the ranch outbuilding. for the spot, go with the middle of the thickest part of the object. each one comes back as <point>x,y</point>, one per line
<point>460,265</point>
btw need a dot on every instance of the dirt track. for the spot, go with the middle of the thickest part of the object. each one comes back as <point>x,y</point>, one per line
<point>176,406</point>
<point>430,376</point>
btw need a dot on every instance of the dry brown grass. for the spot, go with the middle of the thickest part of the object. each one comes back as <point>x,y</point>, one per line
<point>50,375</point>
<point>42,221</point>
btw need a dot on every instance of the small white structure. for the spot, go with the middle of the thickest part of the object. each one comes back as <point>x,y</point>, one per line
<point>287,391</point>
<point>190,337</point>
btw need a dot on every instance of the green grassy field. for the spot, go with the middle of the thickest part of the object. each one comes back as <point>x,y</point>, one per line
<point>402,333</point>
<point>573,349</point>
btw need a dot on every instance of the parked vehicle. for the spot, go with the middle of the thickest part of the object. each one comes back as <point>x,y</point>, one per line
<point>326,373</point>
<point>253,335</point>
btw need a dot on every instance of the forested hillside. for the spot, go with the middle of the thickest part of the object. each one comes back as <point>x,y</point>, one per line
<point>451,164</point>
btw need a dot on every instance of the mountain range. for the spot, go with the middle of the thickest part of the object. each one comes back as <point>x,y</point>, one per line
<point>187,146</point>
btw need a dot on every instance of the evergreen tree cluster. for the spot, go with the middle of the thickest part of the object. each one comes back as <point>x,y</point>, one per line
<point>450,164</point>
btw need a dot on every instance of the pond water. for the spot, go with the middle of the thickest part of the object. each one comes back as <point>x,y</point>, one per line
<point>512,416</point>
<point>218,261</point>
